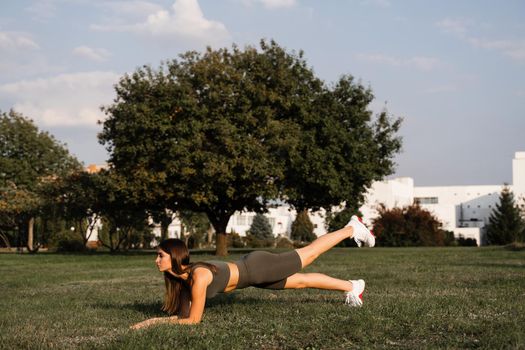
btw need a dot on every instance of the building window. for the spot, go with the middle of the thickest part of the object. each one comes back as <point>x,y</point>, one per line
<point>272,222</point>
<point>426,200</point>
<point>244,220</point>
<point>241,220</point>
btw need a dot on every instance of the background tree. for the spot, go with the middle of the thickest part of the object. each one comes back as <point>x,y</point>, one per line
<point>261,228</point>
<point>195,227</point>
<point>230,130</point>
<point>78,198</point>
<point>124,218</point>
<point>29,158</point>
<point>302,228</point>
<point>506,224</point>
<point>17,206</point>
<point>162,216</point>
<point>407,226</point>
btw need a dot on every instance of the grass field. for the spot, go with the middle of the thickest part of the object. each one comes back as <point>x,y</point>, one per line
<point>415,298</point>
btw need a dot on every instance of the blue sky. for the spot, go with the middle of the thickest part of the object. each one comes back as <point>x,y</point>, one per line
<point>454,70</point>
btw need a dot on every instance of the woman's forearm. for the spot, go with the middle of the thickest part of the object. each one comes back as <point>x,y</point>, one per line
<point>163,320</point>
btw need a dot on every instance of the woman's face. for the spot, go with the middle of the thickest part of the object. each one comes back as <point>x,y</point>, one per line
<point>163,260</point>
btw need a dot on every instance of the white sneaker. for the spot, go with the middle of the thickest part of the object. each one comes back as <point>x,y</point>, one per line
<point>362,235</point>
<point>354,297</point>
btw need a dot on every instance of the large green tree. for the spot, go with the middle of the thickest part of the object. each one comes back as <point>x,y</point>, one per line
<point>230,130</point>
<point>506,224</point>
<point>28,159</point>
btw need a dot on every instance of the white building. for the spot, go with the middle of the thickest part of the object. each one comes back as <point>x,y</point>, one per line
<point>464,210</point>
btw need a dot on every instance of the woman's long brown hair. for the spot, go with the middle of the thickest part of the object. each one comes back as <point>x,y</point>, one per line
<point>178,291</point>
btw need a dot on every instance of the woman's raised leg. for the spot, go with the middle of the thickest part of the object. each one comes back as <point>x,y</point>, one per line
<point>312,251</point>
<point>354,229</point>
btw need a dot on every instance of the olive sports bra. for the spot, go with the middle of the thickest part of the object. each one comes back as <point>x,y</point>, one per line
<point>220,278</point>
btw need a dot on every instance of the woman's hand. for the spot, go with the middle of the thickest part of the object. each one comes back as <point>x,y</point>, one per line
<point>153,321</point>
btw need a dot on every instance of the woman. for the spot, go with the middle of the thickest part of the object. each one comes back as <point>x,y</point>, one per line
<point>189,285</point>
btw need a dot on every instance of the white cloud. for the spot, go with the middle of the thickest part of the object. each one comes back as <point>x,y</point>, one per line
<point>63,100</point>
<point>94,54</point>
<point>185,21</point>
<point>419,62</point>
<point>21,56</point>
<point>16,41</point>
<point>423,63</point>
<point>512,48</point>
<point>274,4</point>
<point>271,4</point>
<point>42,9</point>
<point>515,49</point>
<point>455,26</point>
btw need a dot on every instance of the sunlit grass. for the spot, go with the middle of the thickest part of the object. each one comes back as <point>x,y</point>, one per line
<point>415,298</point>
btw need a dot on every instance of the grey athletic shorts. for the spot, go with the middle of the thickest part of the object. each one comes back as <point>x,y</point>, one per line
<point>267,270</point>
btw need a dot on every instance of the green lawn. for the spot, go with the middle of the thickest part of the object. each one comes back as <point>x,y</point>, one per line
<point>415,298</point>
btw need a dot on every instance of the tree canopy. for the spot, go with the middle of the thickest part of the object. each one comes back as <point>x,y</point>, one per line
<point>28,159</point>
<point>230,130</point>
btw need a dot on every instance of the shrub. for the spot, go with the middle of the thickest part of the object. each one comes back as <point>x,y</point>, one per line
<point>283,242</point>
<point>449,239</point>
<point>254,242</point>
<point>467,242</point>
<point>407,226</point>
<point>235,241</point>
<point>67,241</point>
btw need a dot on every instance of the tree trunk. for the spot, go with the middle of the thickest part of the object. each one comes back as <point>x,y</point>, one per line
<point>30,226</point>
<point>183,235</point>
<point>220,223</point>
<point>30,235</point>
<point>6,241</point>
<point>210,234</point>
<point>222,244</point>
<point>164,223</point>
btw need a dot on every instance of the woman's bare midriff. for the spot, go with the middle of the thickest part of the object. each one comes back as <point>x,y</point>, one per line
<point>234,277</point>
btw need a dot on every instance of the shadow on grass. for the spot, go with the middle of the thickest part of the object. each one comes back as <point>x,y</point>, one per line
<point>153,309</point>
<point>148,309</point>
<point>275,298</point>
